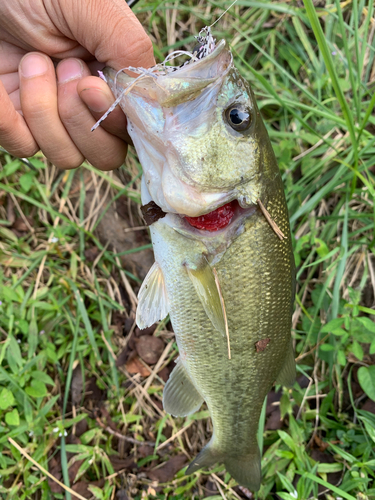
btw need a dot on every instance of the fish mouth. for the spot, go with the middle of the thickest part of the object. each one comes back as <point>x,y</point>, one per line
<point>215,220</point>
<point>220,218</point>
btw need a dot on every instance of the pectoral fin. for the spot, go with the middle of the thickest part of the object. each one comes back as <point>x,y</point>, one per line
<point>152,298</point>
<point>287,375</point>
<point>204,283</point>
<point>180,397</point>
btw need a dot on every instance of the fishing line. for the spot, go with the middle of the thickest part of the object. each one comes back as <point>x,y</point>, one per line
<point>143,72</point>
<point>218,19</point>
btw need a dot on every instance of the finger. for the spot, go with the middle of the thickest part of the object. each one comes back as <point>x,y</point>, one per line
<point>16,101</point>
<point>109,30</point>
<point>38,93</point>
<point>10,57</point>
<point>10,81</point>
<point>15,135</point>
<point>102,149</point>
<point>98,97</point>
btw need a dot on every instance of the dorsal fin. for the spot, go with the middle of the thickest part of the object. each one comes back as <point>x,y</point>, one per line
<point>152,298</point>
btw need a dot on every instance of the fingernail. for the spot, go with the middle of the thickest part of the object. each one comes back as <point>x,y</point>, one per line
<point>69,69</point>
<point>33,65</point>
<point>95,100</point>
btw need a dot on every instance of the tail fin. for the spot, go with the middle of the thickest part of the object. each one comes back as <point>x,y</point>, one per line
<point>246,470</point>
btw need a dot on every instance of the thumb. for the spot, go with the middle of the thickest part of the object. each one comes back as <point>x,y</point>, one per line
<point>108,29</point>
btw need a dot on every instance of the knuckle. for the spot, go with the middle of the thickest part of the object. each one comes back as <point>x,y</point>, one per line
<point>21,151</point>
<point>36,111</point>
<point>70,115</point>
<point>140,50</point>
<point>68,162</point>
<point>61,151</point>
<point>35,102</point>
<point>17,145</point>
<point>116,125</point>
<point>68,166</point>
<point>109,162</point>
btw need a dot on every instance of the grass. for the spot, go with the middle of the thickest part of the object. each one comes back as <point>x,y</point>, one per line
<point>68,296</point>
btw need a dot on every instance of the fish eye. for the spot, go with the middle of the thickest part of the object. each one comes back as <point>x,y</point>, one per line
<point>238,118</point>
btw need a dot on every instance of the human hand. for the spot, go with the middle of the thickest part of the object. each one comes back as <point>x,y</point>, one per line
<point>47,108</point>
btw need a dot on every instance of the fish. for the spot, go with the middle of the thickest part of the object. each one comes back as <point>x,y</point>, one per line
<point>224,271</point>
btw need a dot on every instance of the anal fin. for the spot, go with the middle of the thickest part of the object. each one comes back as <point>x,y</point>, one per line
<point>287,375</point>
<point>152,298</point>
<point>180,397</point>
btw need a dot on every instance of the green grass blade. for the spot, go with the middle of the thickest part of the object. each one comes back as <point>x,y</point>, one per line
<point>353,79</point>
<point>64,467</point>
<point>283,71</point>
<point>280,100</point>
<point>323,46</point>
<point>305,42</point>
<point>329,486</point>
<point>367,115</point>
<point>83,312</point>
<point>82,196</point>
<point>69,375</point>
<point>341,266</point>
<point>262,422</point>
<point>107,337</point>
<point>318,196</point>
<point>369,17</point>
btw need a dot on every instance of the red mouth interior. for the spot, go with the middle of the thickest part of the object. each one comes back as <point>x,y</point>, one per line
<point>215,220</point>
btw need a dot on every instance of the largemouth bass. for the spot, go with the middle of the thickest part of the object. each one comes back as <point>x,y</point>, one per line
<point>224,268</point>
